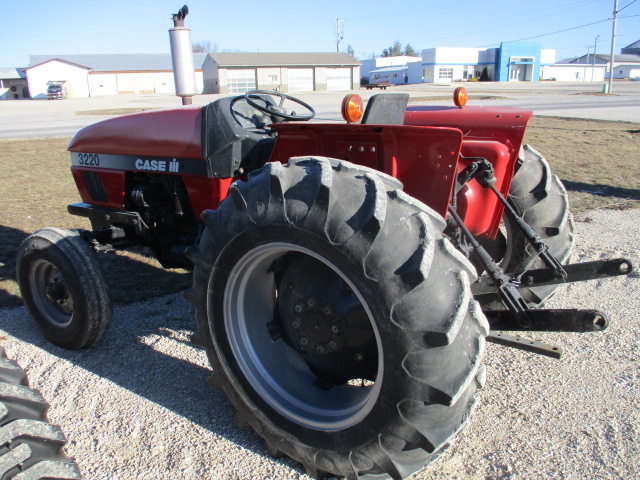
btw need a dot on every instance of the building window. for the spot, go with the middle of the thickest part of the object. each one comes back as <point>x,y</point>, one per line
<point>445,73</point>
<point>273,78</point>
<point>468,72</point>
<point>521,59</point>
<point>241,81</point>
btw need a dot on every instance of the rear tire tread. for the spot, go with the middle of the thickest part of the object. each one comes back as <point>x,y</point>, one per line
<point>32,446</point>
<point>424,274</point>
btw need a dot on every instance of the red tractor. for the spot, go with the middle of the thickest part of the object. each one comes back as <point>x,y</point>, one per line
<point>345,275</point>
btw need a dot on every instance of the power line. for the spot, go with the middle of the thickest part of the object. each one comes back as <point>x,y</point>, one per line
<point>630,3</point>
<point>552,33</point>
<point>500,20</point>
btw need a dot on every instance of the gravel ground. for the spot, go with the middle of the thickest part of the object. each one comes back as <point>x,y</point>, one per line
<point>137,405</point>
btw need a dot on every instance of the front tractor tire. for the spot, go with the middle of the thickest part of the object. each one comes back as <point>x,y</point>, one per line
<point>337,318</point>
<point>64,288</point>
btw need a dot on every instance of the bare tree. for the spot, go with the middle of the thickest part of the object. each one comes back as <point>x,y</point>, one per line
<point>204,47</point>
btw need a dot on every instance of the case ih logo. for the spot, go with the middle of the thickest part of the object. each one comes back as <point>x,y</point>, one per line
<point>158,165</point>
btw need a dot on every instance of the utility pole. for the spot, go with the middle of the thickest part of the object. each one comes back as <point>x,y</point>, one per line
<point>613,45</point>
<point>339,33</point>
<point>584,79</point>
<point>595,50</point>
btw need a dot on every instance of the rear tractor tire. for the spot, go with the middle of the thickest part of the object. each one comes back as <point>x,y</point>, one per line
<point>541,199</point>
<point>337,318</point>
<point>31,446</point>
<point>64,288</point>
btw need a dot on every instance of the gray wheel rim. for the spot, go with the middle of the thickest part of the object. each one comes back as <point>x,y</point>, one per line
<point>275,370</point>
<point>44,280</point>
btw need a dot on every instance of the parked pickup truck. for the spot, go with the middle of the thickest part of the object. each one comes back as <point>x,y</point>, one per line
<point>56,90</point>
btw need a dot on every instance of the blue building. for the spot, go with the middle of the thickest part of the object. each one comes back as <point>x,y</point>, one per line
<point>512,61</point>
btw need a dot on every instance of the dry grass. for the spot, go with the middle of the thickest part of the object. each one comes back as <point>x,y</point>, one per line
<point>599,162</point>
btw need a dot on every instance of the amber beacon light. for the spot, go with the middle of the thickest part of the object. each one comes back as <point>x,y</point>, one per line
<point>352,108</point>
<point>460,97</point>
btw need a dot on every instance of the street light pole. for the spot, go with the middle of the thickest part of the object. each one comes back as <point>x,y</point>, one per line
<point>613,44</point>
<point>595,52</point>
<point>584,79</point>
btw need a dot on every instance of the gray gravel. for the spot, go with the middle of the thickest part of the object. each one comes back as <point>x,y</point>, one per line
<point>137,405</point>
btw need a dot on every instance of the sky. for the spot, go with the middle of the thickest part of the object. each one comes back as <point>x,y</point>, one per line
<point>39,27</point>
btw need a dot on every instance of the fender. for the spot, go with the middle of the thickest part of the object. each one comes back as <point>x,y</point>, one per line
<point>424,159</point>
<point>494,133</point>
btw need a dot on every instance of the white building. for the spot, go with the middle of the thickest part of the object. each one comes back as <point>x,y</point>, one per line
<point>13,84</point>
<point>570,72</point>
<point>384,62</point>
<point>236,73</point>
<point>76,78</point>
<point>96,75</point>
<point>625,65</point>
<point>512,61</point>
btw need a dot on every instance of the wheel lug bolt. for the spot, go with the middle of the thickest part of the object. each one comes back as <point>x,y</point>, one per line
<point>298,308</point>
<point>320,349</point>
<point>311,302</point>
<point>327,310</point>
<point>332,345</point>
<point>295,324</point>
<point>304,341</point>
<point>335,329</point>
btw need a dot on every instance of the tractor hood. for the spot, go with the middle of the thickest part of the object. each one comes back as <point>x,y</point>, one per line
<point>160,133</point>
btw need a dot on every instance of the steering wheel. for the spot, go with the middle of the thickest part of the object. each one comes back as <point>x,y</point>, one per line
<point>279,111</point>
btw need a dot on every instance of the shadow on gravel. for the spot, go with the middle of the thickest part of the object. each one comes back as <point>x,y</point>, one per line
<point>129,355</point>
<point>141,281</point>
<point>602,190</point>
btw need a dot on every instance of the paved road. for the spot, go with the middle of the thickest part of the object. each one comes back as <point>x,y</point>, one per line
<point>41,118</point>
<point>625,107</point>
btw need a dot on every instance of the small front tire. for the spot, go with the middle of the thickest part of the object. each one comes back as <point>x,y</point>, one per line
<point>64,288</point>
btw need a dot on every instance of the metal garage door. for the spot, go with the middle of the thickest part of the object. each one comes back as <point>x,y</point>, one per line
<point>300,80</point>
<point>339,79</point>
<point>241,81</point>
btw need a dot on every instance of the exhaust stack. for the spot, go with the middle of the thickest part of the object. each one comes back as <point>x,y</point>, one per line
<point>182,57</point>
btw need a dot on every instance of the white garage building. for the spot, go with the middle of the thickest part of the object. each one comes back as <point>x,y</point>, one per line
<point>236,73</point>
<point>95,75</point>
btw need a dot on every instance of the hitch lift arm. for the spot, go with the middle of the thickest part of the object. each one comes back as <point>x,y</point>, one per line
<point>519,316</point>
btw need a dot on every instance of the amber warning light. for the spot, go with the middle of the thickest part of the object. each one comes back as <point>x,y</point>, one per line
<point>352,108</point>
<point>460,97</point>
